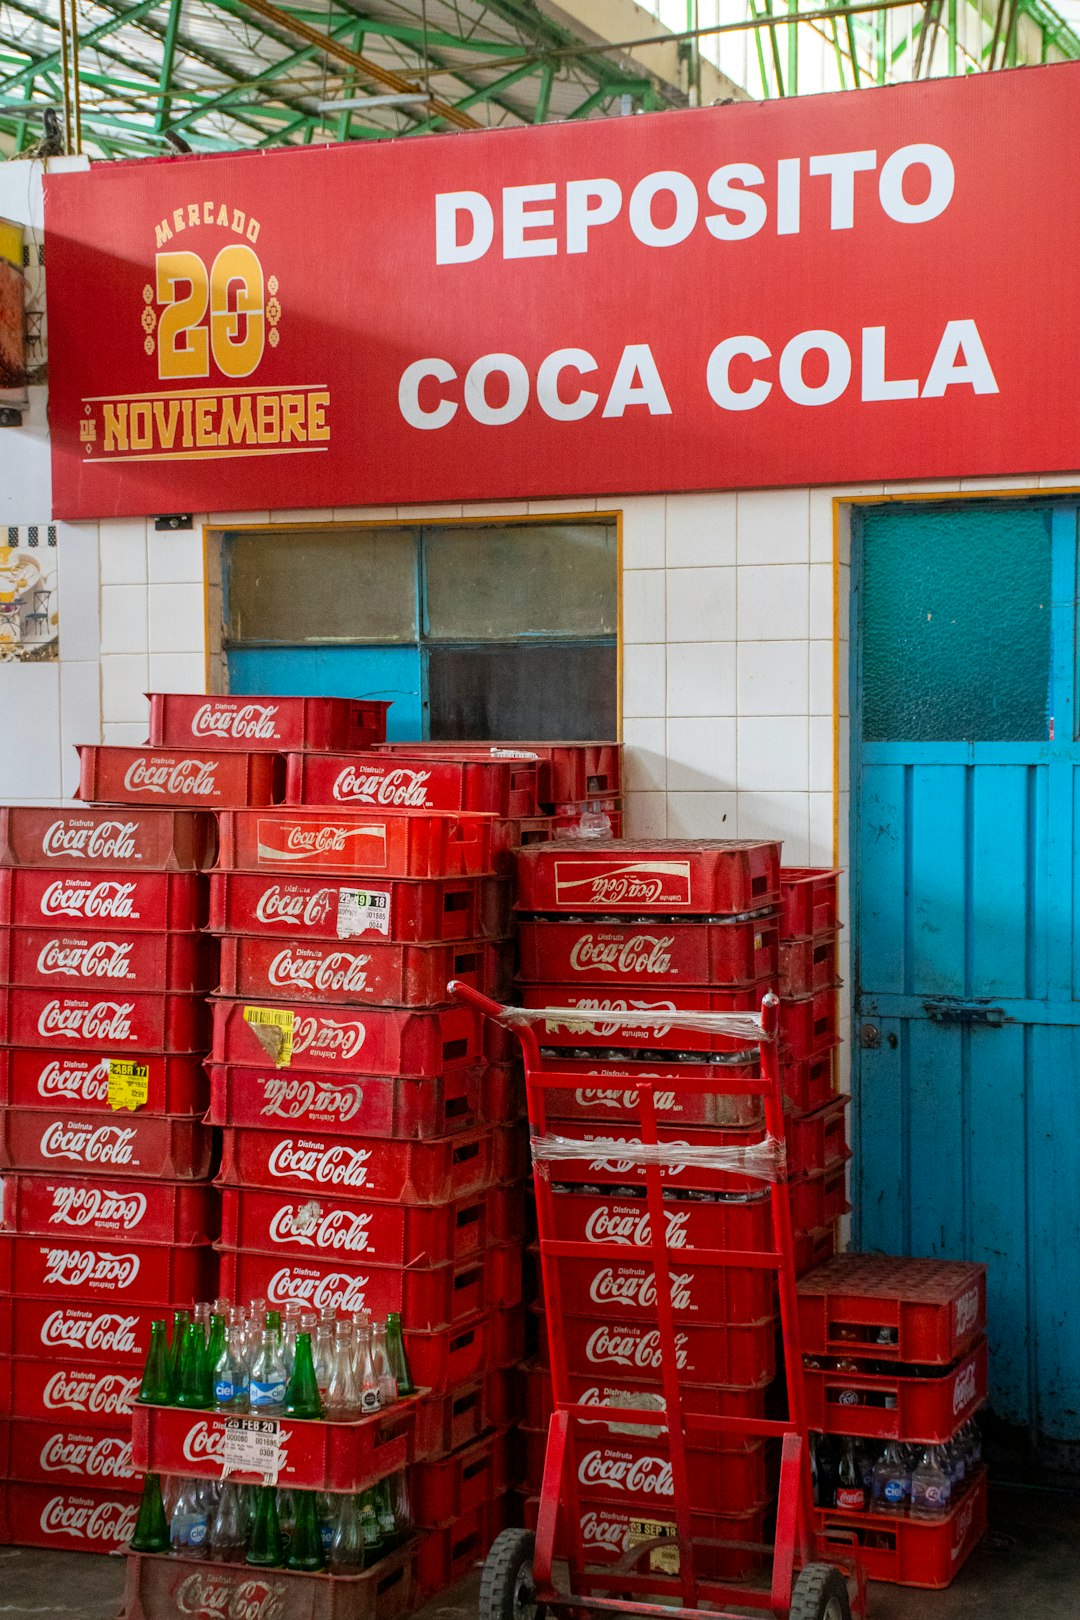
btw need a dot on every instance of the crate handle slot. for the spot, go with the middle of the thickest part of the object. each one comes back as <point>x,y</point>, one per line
<point>457,900</point>
<point>470,1216</point>
<point>478,1466</point>
<point>390,1580</point>
<point>465,1403</point>
<point>468,1337</point>
<point>455,1049</point>
<point>466,1279</point>
<point>467,962</point>
<point>467,1151</point>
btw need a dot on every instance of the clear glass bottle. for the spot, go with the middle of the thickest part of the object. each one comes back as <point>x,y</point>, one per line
<point>399,1492</point>
<point>366,1376</point>
<point>187,1526</point>
<point>227,1534</point>
<point>230,1374</point>
<point>892,1481</point>
<point>267,1386</point>
<point>343,1394</point>
<point>322,1346</point>
<point>347,1542</point>
<point>380,1360</point>
<point>931,1487</point>
<point>327,1508</point>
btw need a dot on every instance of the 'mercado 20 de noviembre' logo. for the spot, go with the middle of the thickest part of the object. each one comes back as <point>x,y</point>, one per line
<point>207,319</point>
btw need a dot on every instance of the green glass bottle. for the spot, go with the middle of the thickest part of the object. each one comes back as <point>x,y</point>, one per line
<point>306,1547</point>
<point>370,1528</point>
<point>180,1322</point>
<point>156,1389</point>
<point>395,1349</point>
<point>302,1398</point>
<point>151,1533</point>
<point>216,1341</point>
<point>387,1519</point>
<point>266,1547</point>
<point>273,1322</point>
<point>192,1387</point>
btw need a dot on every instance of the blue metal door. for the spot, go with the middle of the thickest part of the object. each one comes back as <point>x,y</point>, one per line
<point>965,901</point>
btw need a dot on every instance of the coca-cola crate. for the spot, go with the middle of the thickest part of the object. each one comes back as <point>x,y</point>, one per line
<point>400,911</point>
<point>814,1247</point>
<point>128,1144</point>
<point>820,1198</point>
<point>617,1221</point>
<point>808,1083</point>
<point>649,876</point>
<point>506,1213</point>
<point>449,1553</point>
<point>807,965</point>
<point>909,1551</point>
<point>602,1089</point>
<point>377,1106</point>
<point>606,1532</point>
<point>921,1312</point>
<point>137,902</point>
<point>508,1334</point>
<point>394,1234</point>
<point>95,1397</point>
<point>158,1587</point>
<point>427,1298</point>
<point>510,1152</point>
<point>178,776</point>
<point>496,907</point>
<point>727,1476</point>
<point>68,1519</point>
<point>122,1274</point>
<point>456,1418</point>
<point>733,951</point>
<point>102,839</point>
<point>817,1141</point>
<point>808,901</point>
<point>72,1454</point>
<point>504,1397</point>
<point>259,968</point>
<point>280,724</point>
<point>724,1295</point>
<point>588,818</point>
<point>47,1080</point>
<point>451,1486</point>
<point>566,771</point>
<point>428,1171</point>
<point>566,1031</point>
<point>173,1212</point>
<point>61,958</point>
<point>736,1356</point>
<point>315,1455</point>
<point>615,1391</point>
<point>85,1332</point>
<point>350,1040</point>
<point>808,1026</point>
<point>503,1093</point>
<point>602,1164</point>
<point>405,782</point>
<point>886,1404</point>
<point>371,844</point>
<point>450,1356</point>
<point>124,1022</point>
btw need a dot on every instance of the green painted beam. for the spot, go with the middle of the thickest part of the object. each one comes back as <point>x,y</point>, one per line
<point>543,99</point>
<point>109,26</point>
<point>477,97</point>
<point>168,55</point>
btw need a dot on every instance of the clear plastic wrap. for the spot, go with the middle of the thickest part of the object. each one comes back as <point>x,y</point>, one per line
<point>766,1159</point>
<point>745,1026</point>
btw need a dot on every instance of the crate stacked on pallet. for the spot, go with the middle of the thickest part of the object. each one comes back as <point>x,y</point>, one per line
<point>896,1370</point>
<point>817,1116</point>
<point>671,926</point>
<point>107,1207</point>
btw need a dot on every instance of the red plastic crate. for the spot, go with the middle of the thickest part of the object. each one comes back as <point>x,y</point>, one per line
<point>378,1105</point>
<point>193,719</point>
<point>85,1331</point>
<point>316,1455</point>
<point>195,776</point>
<point>606,1531</point>
<point>47,1080</point>
<point>145,902</point>
<point>614,1391</point>
<point>454,1485</point>
<point>725,1295</point>
<point>379,1170</point>
<point>566,771</point>
<point>125,1023</point>
<point>733,952</point>
<point>820,1198</point>
<point>617,1223</point>
<point>259,969</point>
<point>54,958</point>
<point>127,1144</point>
<point>629,998</point>
<point>449,1553</point>
<point>590,818</point>
<point>372,844</point>
<point>417,911</point>
<point>817,1141</point>
<point>508,1333</point>
<point>122,1274</point>
<point>809,965</point>
<point>70,1520</point>
<point>456,1418</point>
<point>726,1477</point>
<point>172,1212</point>
<point>96,1397</point>
<point>808,901</point>
<point>496,907</point>
<point>71,1454</point>
<point>808,1083</point>
<point>910,1552</point>
<point>735,1357</point>
<point>159,1587</point>
<point>407,782</point>
<point>604,1092</point>
<point>353,1040</point>
<point>813,1248</point>
<point>933,1309</point>
<point>602,1165</point>
<point>508,836</point>
<point>510,1152</point>
<point>452,1355</point>
<point>884,1405</point>
<point>503,1093</point>
<point>380,1234</point>
<point>507,1212</point>
<point>504,1397</point>
<point>808,1026</point>
<point>104,839</point>
<point>649,876</point>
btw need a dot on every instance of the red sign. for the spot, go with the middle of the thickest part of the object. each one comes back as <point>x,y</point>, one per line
<point>813,291</point>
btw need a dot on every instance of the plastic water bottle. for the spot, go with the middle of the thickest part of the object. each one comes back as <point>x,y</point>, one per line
<point>931,1487</point>
<point>892,1481</point>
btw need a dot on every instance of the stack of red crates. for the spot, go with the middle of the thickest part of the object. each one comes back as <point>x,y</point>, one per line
<point>656,927</point>
<point>107,1209</point>
<point>816,1116</point>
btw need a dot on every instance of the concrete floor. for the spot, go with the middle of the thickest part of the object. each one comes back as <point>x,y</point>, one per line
<point>1028,1568</point>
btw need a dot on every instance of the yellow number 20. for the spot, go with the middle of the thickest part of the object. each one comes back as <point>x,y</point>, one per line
<point>237,333</point>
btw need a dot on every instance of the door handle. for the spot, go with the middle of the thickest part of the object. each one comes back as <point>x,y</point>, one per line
<point>964,1012</point>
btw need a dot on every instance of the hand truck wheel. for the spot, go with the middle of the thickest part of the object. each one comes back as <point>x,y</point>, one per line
<point>820,1593</point>
<point>506,1585</point>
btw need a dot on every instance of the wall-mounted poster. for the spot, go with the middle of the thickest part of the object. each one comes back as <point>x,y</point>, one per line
<point>29,606</point>
<point>13,395</point>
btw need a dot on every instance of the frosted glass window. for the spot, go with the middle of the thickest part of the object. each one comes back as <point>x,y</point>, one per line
<point>495,584</point>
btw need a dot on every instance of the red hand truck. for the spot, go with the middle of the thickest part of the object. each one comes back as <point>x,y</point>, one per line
<point>683,1573</point>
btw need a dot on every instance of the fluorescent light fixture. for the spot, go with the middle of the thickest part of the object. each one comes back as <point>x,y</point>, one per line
<point>413,99</point>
